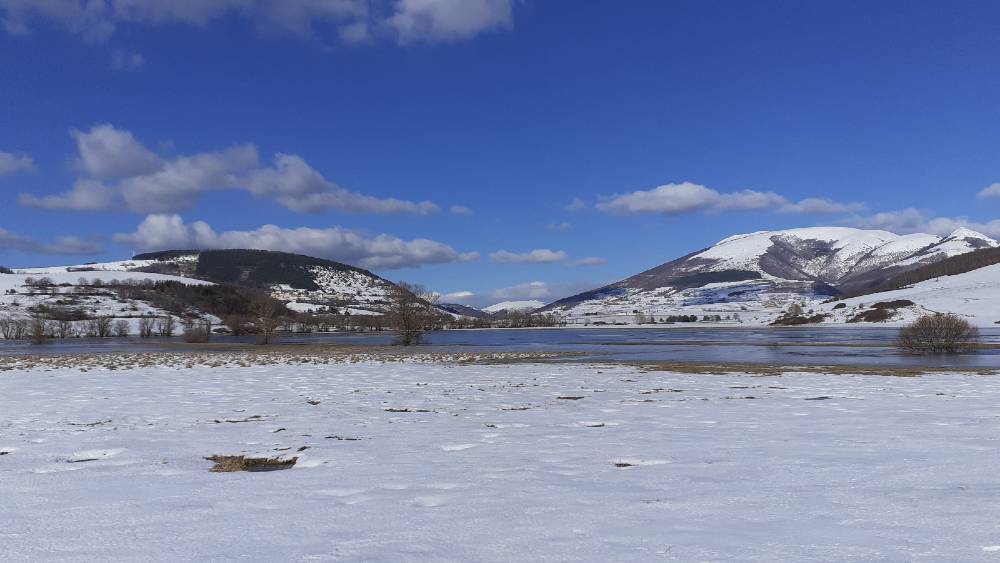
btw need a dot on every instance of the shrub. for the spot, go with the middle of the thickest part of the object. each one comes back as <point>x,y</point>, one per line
<point>197,331</point>
<point>940,333</point>
<point>872,316</point>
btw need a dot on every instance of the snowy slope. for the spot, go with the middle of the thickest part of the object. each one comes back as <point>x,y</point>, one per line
<point>76,290</point>
<point>973,295</point>
<point>759,275</point>
<point>333,285</point>
<point>514,306</point>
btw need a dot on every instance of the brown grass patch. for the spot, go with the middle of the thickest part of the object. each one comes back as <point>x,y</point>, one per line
<point>231,463</point>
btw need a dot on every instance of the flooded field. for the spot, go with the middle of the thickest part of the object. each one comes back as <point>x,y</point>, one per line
<point>869,346</point>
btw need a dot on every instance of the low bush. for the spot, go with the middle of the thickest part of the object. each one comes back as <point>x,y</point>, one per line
<point>941,333</point>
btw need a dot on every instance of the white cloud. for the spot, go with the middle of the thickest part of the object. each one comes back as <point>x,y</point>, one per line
<point>530,290</point>
<point>448,20</point>
<point>126,60</point>
<point>86,195</point>
<point>591,261</point>
<point>108,152</point>
<point>122,174</point>
<point>687,197</point>
<point>166,231</point>
<point>820,206</point>
<point>352,21</point>
<point>15,162</point>
<point>576,204</point>
<point>64,245</point>
<point>563,226</point>
<point>993,190</point>
<point>457,297</point>
<point>537,256</point>
<point>460,210</point>
<point>540,290</point>
<point>911,220</point>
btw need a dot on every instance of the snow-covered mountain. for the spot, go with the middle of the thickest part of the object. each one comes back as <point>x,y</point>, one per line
<point>463,310</point>
<point>756,275</point>
<point>509,306</point>
<point>303,282</point>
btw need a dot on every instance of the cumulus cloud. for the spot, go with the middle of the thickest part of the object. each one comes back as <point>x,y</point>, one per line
<point>120,173</point>
<point>591,261</point>
<point>63,245</point>
<point>911,220</point>
<point>576,204</point>
<point>168,231</point>
<point>687,197</point>
<point>537,256</point>
<point>563,226</point>
<point>993,190</point>
<point>352,21</point>
<point>530,290</point>
<point>15,162</point>
<point>542,291</point>
<point>108,152</point>
<point>820,206</point>
<point>460,210</point>
<point>457,297</point>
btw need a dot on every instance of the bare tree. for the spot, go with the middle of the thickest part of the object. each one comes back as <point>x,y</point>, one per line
<point>38,325</point>
<point>7,326</point>
<point>265,318</point>
<point>938,333</point>
<point>410,312</point>
<point>19,328</point>
<point>121,328</point>
<point>63,328</point>
<point>166,325</point>
<point>147,325</point>
<point>102,324</point>
<point>197,331</point>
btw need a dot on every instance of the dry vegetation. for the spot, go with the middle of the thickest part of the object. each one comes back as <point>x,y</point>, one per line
<point>941,333</point>
<point>233,463</point>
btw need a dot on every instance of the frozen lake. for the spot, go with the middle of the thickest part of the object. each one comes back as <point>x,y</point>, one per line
<point>862,346</point>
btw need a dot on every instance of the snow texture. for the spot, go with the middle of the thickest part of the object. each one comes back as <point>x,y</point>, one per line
<point>555,462</point>
<point>514,306</point>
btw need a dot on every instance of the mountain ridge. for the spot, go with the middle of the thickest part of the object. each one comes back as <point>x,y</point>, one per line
<point>774,267</point>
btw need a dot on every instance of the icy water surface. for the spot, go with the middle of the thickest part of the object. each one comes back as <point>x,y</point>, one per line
<point>869,346</point>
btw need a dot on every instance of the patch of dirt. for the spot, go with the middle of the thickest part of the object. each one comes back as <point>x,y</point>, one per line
<point>253,418</point>
<point>232,463</point>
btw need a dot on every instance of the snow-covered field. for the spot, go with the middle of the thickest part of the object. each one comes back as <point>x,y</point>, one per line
<point>973,295</point>
<point>448,462</point>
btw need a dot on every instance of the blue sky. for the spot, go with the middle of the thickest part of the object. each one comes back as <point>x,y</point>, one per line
<point>497,148</point>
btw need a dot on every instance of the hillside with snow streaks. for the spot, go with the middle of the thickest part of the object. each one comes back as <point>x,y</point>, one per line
<point>754,277</point>
<point>528,305</point>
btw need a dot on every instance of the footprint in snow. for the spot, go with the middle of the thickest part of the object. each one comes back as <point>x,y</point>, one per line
<point>341,492</point>
<point>92,455</point>
<point>633,462</point>
<point>429,501</point>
